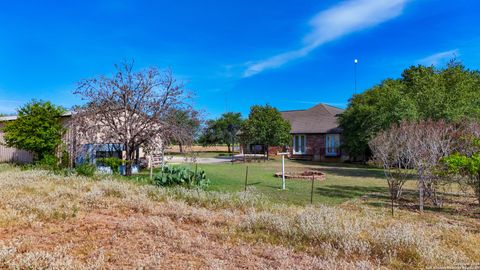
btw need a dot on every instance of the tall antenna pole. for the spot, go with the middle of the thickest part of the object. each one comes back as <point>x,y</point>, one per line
<point>226,101</point>
<point>355,62</point>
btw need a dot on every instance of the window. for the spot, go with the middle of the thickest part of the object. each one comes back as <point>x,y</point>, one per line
<point>299,144</point>
<point>332,143</point>
<point>108,154</point>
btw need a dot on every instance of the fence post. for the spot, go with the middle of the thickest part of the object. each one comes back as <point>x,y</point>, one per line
<point>195,175</point>
<point>283,172</point>
<point>311,194</point>
<point>246,178</point>
<point>151,167</point>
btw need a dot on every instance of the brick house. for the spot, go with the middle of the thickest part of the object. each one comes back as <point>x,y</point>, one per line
<point>315,133</point>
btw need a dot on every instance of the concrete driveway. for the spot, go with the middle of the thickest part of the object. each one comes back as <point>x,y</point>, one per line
<point>199,160</point>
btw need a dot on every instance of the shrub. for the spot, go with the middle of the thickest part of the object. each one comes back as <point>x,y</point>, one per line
<point>53,163</point>
<point>113,163</point>
<point>86,169</point>
<point>65,159</point>
<point>180,176</point>
<point>49,162</point>
<point>37,129</point>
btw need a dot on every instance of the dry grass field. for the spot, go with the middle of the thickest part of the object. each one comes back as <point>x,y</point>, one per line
<point>58,222</point>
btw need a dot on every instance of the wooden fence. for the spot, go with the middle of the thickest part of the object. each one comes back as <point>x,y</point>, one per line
<point>8,154</point>
<point>13,155</point>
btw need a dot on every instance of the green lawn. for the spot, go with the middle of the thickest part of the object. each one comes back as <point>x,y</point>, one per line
<point>343,182</point>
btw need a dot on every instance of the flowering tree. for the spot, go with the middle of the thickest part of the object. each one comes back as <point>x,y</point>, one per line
<point>131,108</point>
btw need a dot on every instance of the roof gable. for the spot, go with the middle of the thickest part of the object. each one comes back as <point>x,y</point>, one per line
<point>321,118</point>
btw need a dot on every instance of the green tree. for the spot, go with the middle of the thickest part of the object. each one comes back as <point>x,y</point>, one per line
<point>466,165</point>
<point>372,111</point>
<point>222,130</point>
<point>187,125</point>
<point>211,134</point>
<point>451,93</point>
<point>265,125</point>
<point>230,123</point>
<point>37,128</point>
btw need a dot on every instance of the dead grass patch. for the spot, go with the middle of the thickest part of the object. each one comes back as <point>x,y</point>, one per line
<point>52,222</point>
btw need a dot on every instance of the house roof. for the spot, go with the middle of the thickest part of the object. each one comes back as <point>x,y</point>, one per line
<point>321,118</point>
<point>14,117</point>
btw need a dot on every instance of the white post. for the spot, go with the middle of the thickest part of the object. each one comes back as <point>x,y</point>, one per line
<point>283,172</point>
<point>283,169</point>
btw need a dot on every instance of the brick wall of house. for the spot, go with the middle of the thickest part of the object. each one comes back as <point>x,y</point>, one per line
<point>316,146</point>
<point>315,149</point>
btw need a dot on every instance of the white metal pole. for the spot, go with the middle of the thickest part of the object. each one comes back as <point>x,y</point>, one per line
<point>283,172</point>
<point>355,67</point>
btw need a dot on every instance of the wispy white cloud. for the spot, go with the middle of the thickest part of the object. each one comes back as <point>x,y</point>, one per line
<point>439,58</point>
<point>335,22</point>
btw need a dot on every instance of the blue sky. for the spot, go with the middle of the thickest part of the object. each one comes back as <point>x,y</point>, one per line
<point>232,54</point>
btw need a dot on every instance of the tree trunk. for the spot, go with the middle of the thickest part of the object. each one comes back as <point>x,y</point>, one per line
<point>228,145</point>
<point>163,157</point>
<point>128,168</point>
<point>128,160</point>
<point>421,195</point>
<point>181,148</point>
<point>477,190</point>
<point>267,152</point>
<point>392,205</point>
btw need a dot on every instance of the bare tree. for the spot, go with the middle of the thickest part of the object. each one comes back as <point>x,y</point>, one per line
<point>419,147</point>
<point>469,132</point>
<point>131,109</point>
<point>390,150</point>
<point>429,142</point>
